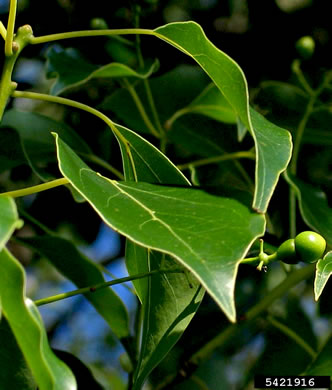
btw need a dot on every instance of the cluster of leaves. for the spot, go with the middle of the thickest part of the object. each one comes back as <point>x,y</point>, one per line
<point>190,191</point>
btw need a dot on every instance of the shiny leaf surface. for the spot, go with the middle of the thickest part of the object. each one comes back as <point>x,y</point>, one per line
<point>229,78</point>
<point>172,220</point>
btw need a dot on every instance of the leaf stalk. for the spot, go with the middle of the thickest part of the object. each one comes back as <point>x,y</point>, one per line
<point>35,189</point>
<point>94,288</point>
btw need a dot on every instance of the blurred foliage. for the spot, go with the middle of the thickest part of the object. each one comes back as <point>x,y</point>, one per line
<point>265,48</point>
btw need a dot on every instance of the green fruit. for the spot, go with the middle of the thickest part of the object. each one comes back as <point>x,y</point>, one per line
<point>305,46</point>
<point>98,24</point>
<point>286,252</point>
<point>309,246</point>
<point>126,363</point>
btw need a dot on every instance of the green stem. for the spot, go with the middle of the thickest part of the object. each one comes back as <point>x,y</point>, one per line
<point>10,28</point>
<point>296,149</point>
<point>141,109</point>
<point>217,159</point>
<point>292,212</point>
<point>297,70</point>
<point>176,115</point>
<point>99,286</point>
<point>199,382</point>
<point>300,130</point>
<point>146,83</point>
<point>35,222</point>
<point>84,107</point>
<point>89,33</point>
<point>35,189</point>
<point>257,259</point>
<point>293,279</point>
<point>153,106</point>
<point>137,11</point>
<point>3,31</point>
<point>292,335</point>
<point>7,86</point>
<point>93,33</point>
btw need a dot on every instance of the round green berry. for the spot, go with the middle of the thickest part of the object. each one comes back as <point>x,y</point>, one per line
<point>309,246</point>
<point>126,363</point>
<point>98,24</point>
<point>305,46</point>
<point>286,252</point>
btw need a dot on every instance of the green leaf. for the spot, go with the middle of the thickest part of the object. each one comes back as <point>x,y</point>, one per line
<point>37,143</point>
<point>167,313</point>
<point>173,220</point>
<point>148,163</point>
<point>322,365</point>
<point>229,78</point>
<point>323,273</point>
<point>273,152</point>
<point>14,371</point>
<point>83,273</point>
<point>165,293</point>
<point>210,102</point>
<point>8,220</point>
<point>314,207</point>
<point>26,324</point>
<point>61,63</point>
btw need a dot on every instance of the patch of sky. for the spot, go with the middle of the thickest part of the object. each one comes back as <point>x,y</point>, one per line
<point>105,246</point>
<point>4,6</point>
<point>79,329</point>
<point>29,71</point>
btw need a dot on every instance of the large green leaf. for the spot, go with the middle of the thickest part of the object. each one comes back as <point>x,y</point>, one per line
<point>322,365</point>
<point>37,143</point>
<point>166,303</point>
<point>83,273</point>
<point>26,324</point>
<point>314,207</point>
<point>229,78</point>
<point>323,273</point>
<point>61,64</point>
<point>207,234</point>
<point>171,294</point>
<point>8,219</point>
